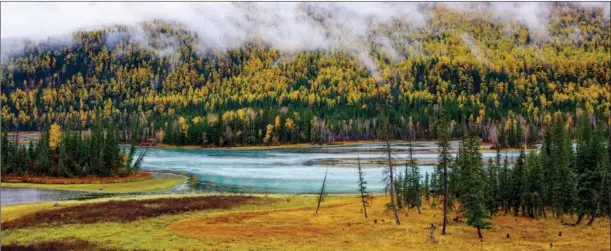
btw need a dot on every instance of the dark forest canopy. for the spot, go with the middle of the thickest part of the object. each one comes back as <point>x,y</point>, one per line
<point>482,74</point>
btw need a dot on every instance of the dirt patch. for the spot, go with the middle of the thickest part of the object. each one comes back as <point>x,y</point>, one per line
<point>76,180</point>
<point>125,211</point>
<point>297,224</point>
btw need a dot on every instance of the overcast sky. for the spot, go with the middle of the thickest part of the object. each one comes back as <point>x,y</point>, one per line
<point>286,26</point>
<point>57,18</point>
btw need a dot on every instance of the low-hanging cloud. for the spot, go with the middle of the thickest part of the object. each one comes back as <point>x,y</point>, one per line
<point>288,26</point>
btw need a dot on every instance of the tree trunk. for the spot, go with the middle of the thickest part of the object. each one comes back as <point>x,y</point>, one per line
<point>445,199</point>
<point>580,218</point>
<point>515,211</point>
<point>364,205</point>
<point>561,216</point>
<point>392,184</point>
<point>322,191</point>
<point>455,209</point>
<point>593,217</point>
<point>479,234</point>
<point>591,221</point>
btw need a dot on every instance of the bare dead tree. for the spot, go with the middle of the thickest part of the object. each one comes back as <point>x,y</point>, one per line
<point>391,183</point>
<point>322,191</point>
<point>386,136</point>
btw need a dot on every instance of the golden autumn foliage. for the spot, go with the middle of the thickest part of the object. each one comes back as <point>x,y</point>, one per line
<point>472,66</point>
<point>55,135</point>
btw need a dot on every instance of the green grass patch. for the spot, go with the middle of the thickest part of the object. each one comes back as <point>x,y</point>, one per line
<point>154,184</point>
<point>148,234</point>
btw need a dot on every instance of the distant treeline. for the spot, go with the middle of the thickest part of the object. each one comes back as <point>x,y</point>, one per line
<point>71,153</point>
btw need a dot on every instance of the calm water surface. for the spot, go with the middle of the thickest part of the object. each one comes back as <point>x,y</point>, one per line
<point>29,195</point>
<point>288,170</point>
<point>291,171</point>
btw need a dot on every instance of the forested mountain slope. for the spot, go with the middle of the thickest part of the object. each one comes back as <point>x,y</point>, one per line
<point>501,77</point>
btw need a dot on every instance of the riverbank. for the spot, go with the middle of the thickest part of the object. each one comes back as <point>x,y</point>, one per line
<point>271,147</point>
<point>139,176</point>
<point>27,136</point>
<point>155,182</point>
<point>282,222</point>
<point>485,147</point>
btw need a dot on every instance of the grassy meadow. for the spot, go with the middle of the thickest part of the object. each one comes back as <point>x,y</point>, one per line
<point>275,222</point>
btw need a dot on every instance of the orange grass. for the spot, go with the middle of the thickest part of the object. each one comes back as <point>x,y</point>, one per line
<point>342,226</point>
<point>290,224</point>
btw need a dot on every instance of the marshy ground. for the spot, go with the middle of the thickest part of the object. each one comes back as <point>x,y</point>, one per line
<point>272,222</point>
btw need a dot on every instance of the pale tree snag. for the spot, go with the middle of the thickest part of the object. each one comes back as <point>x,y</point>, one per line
<point>445,199</point>
<point>322,191</point>
<point>390,173</point>
<point>432,233</point>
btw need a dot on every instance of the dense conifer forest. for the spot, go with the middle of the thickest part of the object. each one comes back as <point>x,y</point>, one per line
<point>557,181</point>
<point>504,80</point>
<point>71,153</point>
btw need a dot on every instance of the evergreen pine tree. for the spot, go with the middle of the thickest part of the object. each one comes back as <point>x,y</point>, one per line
<point>536,185</point>
<point>444,160</point>
<point>96,143</point>
<point>427,188</point>
<point>472,184</point>
<point>505,187</point>
<point>519,135</point>
<point>548,169</point>
<point>414,195</point>
<point>565,182</point>
<point>435,189</point>
<point>111,151</point>
<point>32,155</point>
<point>401,190</point>
<point>517,182</point>
<point>44,158</point>
<point>362,187</point>
<point>492,187</point>
<point>589,171</point>
<point>4,151</point>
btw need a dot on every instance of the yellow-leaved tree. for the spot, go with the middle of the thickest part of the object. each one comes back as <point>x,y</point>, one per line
<point>55,134</point>
<point>184,125</point>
